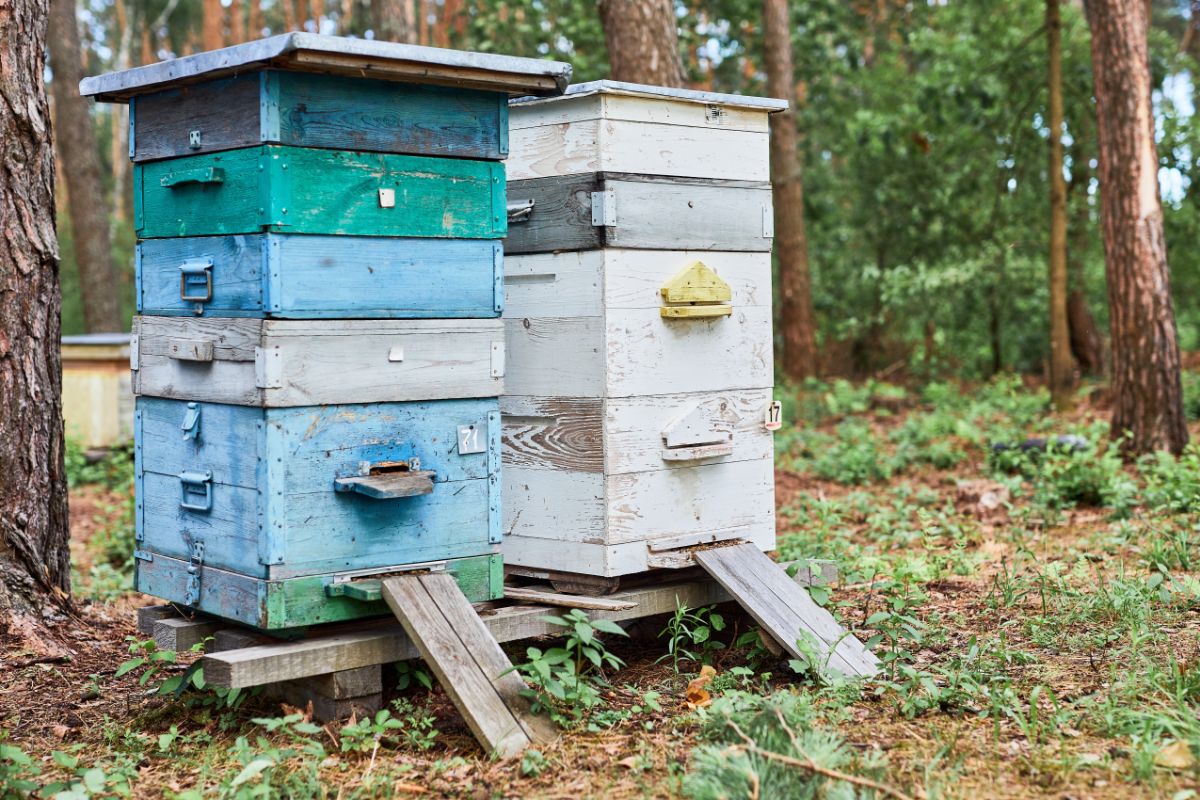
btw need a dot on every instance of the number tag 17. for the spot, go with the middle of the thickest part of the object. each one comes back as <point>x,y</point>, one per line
<point>471,440</point>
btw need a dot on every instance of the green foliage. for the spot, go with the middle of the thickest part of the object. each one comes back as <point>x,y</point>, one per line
<point>753,744</point>
<point>18,772</point>
<point>689,635</point>
<point>189,683</point>
<point>114,470</point>
<point>566,681</point>
<point>412,726</point>
<point>270,770</point>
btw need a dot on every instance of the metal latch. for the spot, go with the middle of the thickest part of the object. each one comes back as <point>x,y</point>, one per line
<point>191,422</point>
<point>520,210</point>
<point>697,291</point>
<point>196,490</point>
<point>194,568</point>
<point>604,208</point>
<point>196,282</point>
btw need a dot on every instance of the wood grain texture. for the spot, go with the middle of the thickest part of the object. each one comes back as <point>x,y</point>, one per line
<point>303,276</point>
<point>451,652</point>
<point>652,212</point>
<point>612,145</point>
<point>306,190</point>
<point>273,498</point>
<point>295,602</point>
<point>553,432</point>
<point>785,610</point>
<point>280,363</point>
<point>383,643</point>
<point>611,106</point>
<point>635,352</point>
<point>309,110</point>
<point>565,600</point>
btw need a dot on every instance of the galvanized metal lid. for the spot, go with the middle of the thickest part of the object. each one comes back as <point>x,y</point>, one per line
<point>359,58</point>
<point>768,104</point>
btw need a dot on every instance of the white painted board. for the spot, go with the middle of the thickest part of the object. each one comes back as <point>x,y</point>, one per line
<point>279,363</point>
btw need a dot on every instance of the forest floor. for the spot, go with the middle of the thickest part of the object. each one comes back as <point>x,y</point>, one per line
<point>1038,615</point>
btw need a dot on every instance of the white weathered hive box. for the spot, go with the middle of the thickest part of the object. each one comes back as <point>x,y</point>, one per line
<point>610,126</point>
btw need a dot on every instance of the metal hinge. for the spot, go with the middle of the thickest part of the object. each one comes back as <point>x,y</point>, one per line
<point>194,570</point>
<point>143,555</point>
<point>519,211</point>
<point>268,368</point>
<point>133,352</point>
<point>497,359</point>
<point>604,208</point>
<point>768,222</point>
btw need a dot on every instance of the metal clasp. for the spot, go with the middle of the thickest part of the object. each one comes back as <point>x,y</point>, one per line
<point>195,281</point>
<point>519,210</point>
<point>196,490</point>
<point>194,568</point>
<point>191,422</point>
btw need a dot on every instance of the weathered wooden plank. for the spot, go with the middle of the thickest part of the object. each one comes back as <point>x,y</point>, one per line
<point>642,211</point>
<point>553,432</point>
<point>266,664</point>
<point>785,610</point>
<point>309,110</point>
<point>449,651</point>
<point>148,615</point>
<point>565,600</point>
<point>307,190</point>
<point>281,363</point>
<point>305,276</point>
<point>486,652</point>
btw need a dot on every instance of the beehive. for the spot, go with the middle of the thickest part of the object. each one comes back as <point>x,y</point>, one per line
<point>320,354</point>
<point>638,409</point>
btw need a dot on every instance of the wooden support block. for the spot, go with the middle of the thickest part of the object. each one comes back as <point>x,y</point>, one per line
<point>467,660</point>
<point>180,634</point>
<point>566,600</point>
<point>346,684</point>
<point>326,709</point>
<point>146,617</point>
<point>785,610</point>
<point>235,639</point>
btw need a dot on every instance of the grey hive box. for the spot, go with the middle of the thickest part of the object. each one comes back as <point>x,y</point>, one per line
<point>638,412</point>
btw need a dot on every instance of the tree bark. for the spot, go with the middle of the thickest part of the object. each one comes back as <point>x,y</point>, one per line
<point>396,21</point>
<point>643,41</point>
<point>211,36</point>
<point>1062,366</point>
<point>75,146</point>
<point>1147,397</point>
<point>796,323</point>
<point>34,559</point>
<point>1086,342</point>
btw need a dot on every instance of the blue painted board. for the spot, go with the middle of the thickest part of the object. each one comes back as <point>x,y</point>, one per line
<point>256,486</point>
<point>313,110</point>
<point>290,276</point>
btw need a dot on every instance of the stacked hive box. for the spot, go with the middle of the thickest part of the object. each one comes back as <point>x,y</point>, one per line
<point>320,354</point>
<point>638,409</point>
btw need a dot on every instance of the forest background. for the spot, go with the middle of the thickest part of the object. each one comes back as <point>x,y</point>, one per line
<point>923,142</point>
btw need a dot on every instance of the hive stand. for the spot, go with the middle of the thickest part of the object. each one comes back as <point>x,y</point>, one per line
<point>335,661</point>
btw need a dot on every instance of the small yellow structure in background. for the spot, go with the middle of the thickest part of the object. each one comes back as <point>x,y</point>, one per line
<point>97,395</point>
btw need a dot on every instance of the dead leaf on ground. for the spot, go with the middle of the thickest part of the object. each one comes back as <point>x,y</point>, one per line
<point>1175,756</point>
<point>697,695</point>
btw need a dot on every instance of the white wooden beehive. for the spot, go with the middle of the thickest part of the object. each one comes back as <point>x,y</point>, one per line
<point>639,409</point>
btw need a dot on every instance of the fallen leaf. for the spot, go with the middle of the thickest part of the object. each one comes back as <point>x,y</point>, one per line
<point>1176,756</point>
<point>60,731</point>
<point>697,695</point>
<point>631,762</point>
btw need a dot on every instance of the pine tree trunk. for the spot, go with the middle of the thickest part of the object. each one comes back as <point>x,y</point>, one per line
<point>34,559</point>
<point>211,37</point>
<point>643,41</point>
<point>796,323</point>
<point>1062,366</point>
<point>75,146</point>
<point>1147,398</point>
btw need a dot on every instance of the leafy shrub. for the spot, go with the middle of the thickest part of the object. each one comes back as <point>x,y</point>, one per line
<point>690,635</point>
<point>851,456</point>
<point>1172,484</point>
<point>114,470</point>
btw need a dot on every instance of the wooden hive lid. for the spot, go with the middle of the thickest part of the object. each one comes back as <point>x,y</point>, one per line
<point>620,88</point>
<point>338,55</point>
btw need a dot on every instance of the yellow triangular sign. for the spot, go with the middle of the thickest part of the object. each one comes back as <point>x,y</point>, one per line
<point>696,291</point>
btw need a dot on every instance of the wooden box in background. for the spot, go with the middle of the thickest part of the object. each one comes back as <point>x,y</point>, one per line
<point>97,393</point>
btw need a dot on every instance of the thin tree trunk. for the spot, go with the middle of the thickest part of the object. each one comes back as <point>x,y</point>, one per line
<point>643,41</point>
<point>211,37</point>
<point>119,120</point>
<point>75,145</point>
<point>1147,398</point>
<point>237,23</point>
<point>796,323</point>
<point>256,20</point>
<point>1086,342</point>
<point>396,21</point>
<point>1062,366</point>
<point>34,560</point>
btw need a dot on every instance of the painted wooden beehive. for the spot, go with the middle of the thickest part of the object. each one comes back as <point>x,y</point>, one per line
<point>638,412</point>
<point>320,358</point>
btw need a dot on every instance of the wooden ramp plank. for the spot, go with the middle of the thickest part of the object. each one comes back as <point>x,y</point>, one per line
<point>784,608</point>
<point>448,645</point>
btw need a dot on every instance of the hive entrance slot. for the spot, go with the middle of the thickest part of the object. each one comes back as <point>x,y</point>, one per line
<point>388,480</point>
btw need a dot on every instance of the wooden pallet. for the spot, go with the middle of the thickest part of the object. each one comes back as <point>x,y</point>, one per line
<point>335,661</point>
